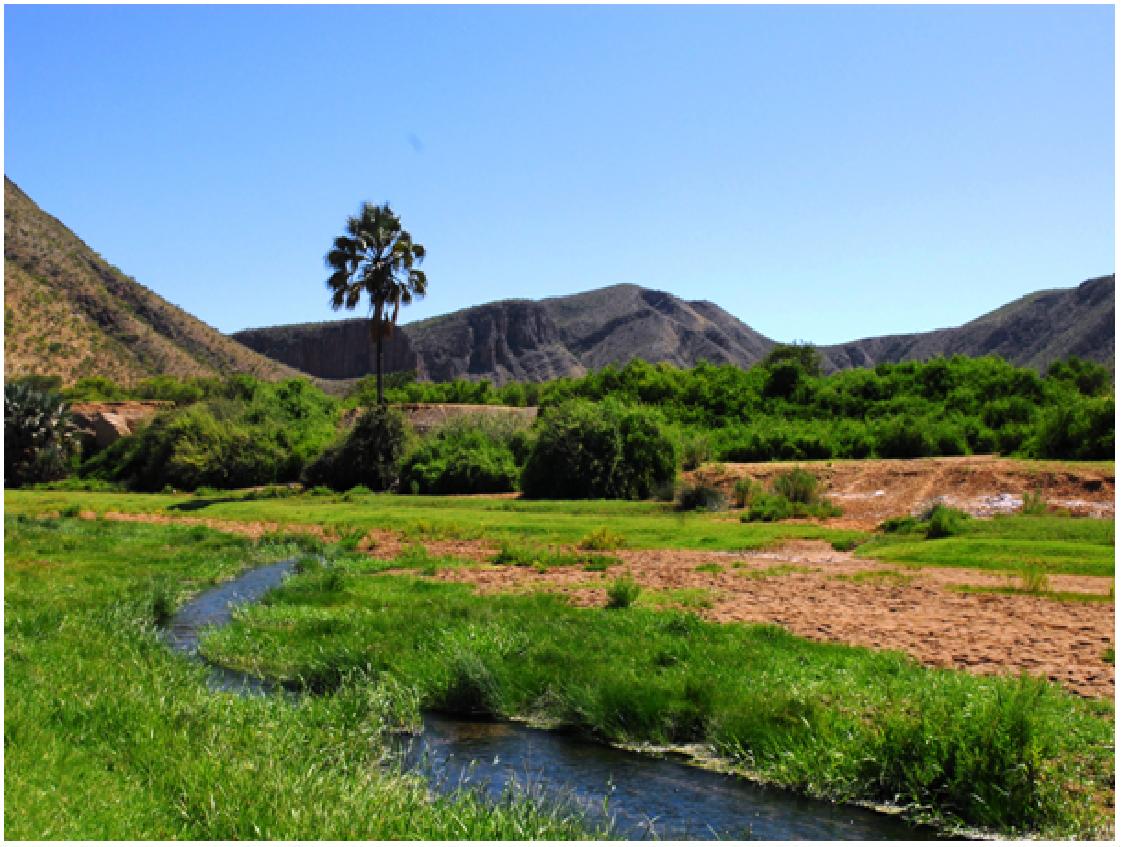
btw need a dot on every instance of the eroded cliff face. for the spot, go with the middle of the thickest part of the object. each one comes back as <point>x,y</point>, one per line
<point>526,340</point>
<point>331,350</point>
<point>510,340</point>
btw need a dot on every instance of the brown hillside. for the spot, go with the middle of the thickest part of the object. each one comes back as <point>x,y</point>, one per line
<point>69,312</point>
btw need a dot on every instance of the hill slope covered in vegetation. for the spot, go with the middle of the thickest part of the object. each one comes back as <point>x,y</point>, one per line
<point>70,313</point>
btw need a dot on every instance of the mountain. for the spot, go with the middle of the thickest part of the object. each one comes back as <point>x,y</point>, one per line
<point>1033,331</point>
<point>525,339</point>
<point>567,336</point>
<point>69,312</point>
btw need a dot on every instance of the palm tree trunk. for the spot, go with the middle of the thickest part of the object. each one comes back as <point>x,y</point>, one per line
<point>378,365</point>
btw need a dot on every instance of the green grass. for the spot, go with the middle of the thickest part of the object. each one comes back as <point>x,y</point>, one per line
<point>773,571</point>
<point>643,525</point>
<point>710,567</point>
<point>682,598</point>
<point>108,735</point>
<point>845,723</point>
<point>1045,593</point>
<point>525,555</point>
<point>889,576</point>
<point>1058,545</point>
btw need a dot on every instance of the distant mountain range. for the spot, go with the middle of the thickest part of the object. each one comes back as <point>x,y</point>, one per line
<point>69,312</point>
<point>568,336</point>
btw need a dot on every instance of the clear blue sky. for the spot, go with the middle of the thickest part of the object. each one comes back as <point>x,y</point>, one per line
<point>822,173</point>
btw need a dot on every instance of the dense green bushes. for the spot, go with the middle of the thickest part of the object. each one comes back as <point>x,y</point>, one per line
<point>784,409</point>
<point>599,450</point>
<point>467,456</point>
<point>1084,429</point>
<point>614,432</point>
<point>370,454</point>
<point>225,443</point>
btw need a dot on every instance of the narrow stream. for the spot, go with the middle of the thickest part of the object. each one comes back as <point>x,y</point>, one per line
<point>645,796</point>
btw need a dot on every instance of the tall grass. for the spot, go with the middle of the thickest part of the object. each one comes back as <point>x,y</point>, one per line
<point>108,735</point>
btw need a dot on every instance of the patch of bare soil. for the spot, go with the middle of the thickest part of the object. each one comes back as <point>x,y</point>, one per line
<point>871,491</point>
<point>250,529</point>
<point>825,595</point>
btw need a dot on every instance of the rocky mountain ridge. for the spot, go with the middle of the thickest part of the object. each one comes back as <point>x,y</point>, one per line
<point>69,312</point>
<point>535,340</point>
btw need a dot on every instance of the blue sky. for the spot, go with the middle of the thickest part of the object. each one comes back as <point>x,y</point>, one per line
<point>824,173</point>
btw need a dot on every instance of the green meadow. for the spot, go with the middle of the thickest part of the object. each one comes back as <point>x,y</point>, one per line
<point>91,751</point>
<point>643,524</point>
<point>1055,545</point>
<point>108,735</point>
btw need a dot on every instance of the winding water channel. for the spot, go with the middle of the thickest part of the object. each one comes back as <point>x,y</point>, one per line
<point>645,796</point>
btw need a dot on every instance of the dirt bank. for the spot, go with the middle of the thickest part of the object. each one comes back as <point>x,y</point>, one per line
<point>871,491</point>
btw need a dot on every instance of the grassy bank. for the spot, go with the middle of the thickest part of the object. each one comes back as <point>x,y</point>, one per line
<point>1011,543</point>
<point>1008,543</point>
<point>1020,756</point>
<point>643,525</point>
<point>107,735</point>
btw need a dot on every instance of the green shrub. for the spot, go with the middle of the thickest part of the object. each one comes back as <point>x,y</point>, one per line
<point>92,388</point>
<point>74,483</point>
<point>765,507</point>
<point>696,451</point>
<point>989,771</point>
<point>201,445</point>
<point>1089,378</point>
<point>585,450</point>
<point>602,538</point>
<point>529,555</point>
<point>43,383</point>
<point>359,492</point>
<point>794,494</point>
<point>900,525</point>
<point>944,522</point>
<point>1081,429</point>
<point>699,497</point>
<point>369,455</point>
<point>39,438</point>
<point>903,438</point>
<point>744,490</point>
<point>464,457</point>
<point>1034,579</point>
<point>798,486</point>
<point>1033,503</point>
<point>162,603</point>
<point>622,593</point>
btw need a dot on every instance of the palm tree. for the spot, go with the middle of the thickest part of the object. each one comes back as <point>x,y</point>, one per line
<point>376,256</point>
